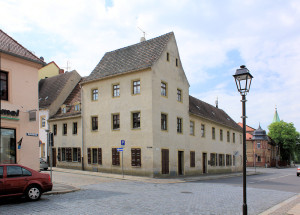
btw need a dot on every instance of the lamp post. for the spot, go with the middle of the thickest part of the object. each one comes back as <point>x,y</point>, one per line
<point>243,81</point>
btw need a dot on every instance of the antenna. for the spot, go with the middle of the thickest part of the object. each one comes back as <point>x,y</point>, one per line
<point>217,102</point>
<point>68,66</point>
<point>142,31</point>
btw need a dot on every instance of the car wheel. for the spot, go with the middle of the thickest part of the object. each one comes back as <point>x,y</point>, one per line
<point>33,193</point>
<point>298,174</point>
<point>45,168</point>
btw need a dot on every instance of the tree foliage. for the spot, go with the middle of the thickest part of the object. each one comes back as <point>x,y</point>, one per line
<point>285,135</point>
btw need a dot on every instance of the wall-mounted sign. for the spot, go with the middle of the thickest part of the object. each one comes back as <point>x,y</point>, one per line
<point>32,134</point>
<point>10,112</point>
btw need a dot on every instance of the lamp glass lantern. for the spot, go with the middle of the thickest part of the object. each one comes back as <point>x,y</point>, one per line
<point>243,80</point>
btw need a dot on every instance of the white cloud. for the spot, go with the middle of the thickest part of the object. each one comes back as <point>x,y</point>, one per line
<point>264,33</point>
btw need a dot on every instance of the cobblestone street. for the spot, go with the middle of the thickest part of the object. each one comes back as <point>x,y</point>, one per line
<point>114,196</point>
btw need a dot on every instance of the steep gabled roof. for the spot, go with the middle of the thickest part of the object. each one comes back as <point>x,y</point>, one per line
<point>209,112</point>
<point>50,88</point>
<point>131,58</point>
<point>74,97</point>
<point>11,47</point>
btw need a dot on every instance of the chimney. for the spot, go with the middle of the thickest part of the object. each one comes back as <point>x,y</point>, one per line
<point>61,71</point>
<point>217,103</point>
<point>142,39</point>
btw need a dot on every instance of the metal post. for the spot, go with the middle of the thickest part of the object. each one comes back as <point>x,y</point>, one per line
<point>51,157</point>
<point>122,165</point>
<point>244,156</point>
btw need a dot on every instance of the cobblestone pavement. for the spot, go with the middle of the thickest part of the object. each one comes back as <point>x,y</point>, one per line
<point>115,196</point>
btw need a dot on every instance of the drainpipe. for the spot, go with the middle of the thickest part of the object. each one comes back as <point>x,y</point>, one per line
<point>82,138</point>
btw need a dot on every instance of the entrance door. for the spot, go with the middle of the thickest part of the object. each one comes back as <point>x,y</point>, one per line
<point>204,162</point>
<point>180,163</point>
<point>53,157</point>
<point>165,161</point>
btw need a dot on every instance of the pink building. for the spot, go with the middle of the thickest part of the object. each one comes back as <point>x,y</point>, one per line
<point>19,103</point>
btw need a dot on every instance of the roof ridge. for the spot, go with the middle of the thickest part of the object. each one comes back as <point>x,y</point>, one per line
<point>33,55</point>
<point>136,44</point>
<point>206,103</point>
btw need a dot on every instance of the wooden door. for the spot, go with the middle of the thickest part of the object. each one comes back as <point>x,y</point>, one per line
<point>165,161</point>
<point>53,157</point>
<point>180,162</point>
<point>204,161</point>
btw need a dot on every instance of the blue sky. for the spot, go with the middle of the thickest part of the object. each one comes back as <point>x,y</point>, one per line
<point>214,38</point>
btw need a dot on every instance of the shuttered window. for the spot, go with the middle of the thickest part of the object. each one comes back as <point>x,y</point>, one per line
<point>212,159</point>
<point>192,159</point>
<point>58,154</point>
<point>100,156</point>
<point>79,154</point>
<point>135,157</point>
<point>115,157</point>
<point>94,156</point>
<point>89,155</point>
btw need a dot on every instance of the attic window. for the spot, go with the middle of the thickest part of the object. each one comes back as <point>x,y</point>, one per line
<point>77,107</point>
<point>228,119</point>
<point>198,107</point>
<point>63,110</point>
<point>176,61</point>
<point>168,56</point>
<point>213,113</point>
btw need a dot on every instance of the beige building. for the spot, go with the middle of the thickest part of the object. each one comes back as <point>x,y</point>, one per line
<point>53,91</point>
<point>19,103</point>
<point>66,126</point>
<point>140,95</point>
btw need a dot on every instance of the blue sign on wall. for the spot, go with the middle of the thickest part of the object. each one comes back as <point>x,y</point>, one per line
<point>122,142</point>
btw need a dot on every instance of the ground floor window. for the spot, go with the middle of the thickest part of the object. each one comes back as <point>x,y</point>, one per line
<point>94,156</point>
<point>228,160</point>
<point>258,158</point>
<point>221,160</point>
<point>69,154</point>
<point>8,145</point>
<point>115,157</point>
<point>212,159</point>
<point>135,157</point>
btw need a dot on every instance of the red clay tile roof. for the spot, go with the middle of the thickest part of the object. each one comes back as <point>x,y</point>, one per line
<point>248,128</point>
<point>131,58</point>
<point>10,46</point>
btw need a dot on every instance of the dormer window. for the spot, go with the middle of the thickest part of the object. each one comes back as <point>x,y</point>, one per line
<point>63,110</point>
<point>77,107</point>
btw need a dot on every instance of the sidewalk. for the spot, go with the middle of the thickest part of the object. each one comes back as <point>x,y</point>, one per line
<point>60,188</point>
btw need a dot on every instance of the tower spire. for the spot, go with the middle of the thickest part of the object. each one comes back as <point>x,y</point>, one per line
<point>276,116</point>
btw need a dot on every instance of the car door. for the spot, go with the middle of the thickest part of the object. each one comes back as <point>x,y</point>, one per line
<point>15,181</point>
<point>1,180</point>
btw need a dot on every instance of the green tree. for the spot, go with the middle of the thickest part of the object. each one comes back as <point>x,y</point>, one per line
<point>285,135</point>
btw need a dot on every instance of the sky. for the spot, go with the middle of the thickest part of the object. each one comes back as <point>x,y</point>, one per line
<point>214,38</point>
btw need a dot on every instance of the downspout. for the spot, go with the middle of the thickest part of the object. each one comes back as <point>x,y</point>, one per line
<point>82,138</point>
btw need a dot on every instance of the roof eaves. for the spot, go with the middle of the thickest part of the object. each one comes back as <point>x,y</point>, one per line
<point>218,122</point>
<point>114,75</point>
<point>22,57</point>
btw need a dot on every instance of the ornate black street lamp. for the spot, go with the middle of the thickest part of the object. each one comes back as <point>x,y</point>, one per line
<point>243,81</point>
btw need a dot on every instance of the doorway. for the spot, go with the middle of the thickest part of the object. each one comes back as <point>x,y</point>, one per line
<point>165,161</point>
<point>53,157</point>
<point>180,162</point>
<point>204,162</point>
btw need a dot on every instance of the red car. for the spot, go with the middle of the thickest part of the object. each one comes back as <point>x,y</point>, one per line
<point>18,180</point>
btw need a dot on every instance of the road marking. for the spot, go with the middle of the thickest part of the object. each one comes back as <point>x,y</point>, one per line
<point>267,179</point>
